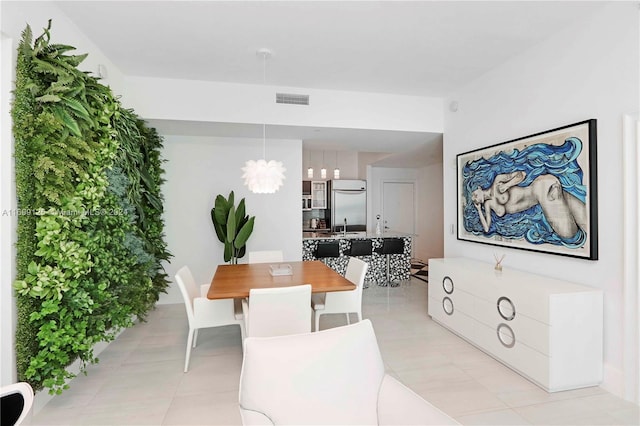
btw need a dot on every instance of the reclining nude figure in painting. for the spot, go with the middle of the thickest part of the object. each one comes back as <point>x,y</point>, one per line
<point>564,212</point>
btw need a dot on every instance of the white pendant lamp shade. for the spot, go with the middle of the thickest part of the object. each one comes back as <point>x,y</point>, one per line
<point>336,173</point>
<point>323,170</point>
<point>262,177</point>
<point>310,168</point>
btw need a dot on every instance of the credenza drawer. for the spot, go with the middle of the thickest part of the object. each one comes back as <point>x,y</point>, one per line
<point>531,332</point>
<point>527,361</point>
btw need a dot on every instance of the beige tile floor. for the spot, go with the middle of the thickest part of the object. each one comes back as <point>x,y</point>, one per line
<point>139,380</point>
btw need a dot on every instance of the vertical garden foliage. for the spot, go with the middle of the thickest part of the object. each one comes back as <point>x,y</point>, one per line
<point>90,240</point>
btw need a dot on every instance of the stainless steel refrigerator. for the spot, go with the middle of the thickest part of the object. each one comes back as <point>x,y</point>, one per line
<point>348,203</point>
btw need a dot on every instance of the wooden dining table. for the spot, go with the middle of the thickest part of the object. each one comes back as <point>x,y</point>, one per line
<point>235,281</point>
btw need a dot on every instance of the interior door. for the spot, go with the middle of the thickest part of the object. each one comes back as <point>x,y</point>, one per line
<point>398,207</point>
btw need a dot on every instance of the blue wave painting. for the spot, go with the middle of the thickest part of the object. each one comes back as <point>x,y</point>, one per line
<point>535,160</point>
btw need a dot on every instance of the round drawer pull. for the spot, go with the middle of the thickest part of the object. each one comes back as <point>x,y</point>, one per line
<point>506,335</point>
<point>447,305</point>
<point>506,309</point>
<point>447,285</point>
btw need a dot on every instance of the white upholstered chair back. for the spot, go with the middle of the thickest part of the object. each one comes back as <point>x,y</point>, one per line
<point>17,400</point>
<point>278,311</point>
<point>188,289</point>
<point>350,301</point>
<point>332,377</point>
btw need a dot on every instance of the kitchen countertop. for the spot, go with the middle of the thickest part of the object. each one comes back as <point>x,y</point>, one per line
<point>351,235</point>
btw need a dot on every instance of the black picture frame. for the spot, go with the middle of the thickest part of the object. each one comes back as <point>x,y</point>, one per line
<point>536,193</point>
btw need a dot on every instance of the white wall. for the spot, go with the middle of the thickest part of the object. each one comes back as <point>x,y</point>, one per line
<point>14,17</point>
<point>430,243</point>
<point>17,14</point>
<point>365,159</point>
<point>199,168</point>
<point>246,103</point>
<point>590,70</point>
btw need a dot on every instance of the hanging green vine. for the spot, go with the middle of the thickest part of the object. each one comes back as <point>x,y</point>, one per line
<point>90,241</point>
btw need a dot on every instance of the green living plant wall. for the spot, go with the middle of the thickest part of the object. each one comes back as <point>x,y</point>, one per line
<point>90,231</point>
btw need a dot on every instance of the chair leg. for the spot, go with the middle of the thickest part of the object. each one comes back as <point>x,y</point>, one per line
<point>359,316</point>
<point>316,314</point>
<point>242,335</point>
<point>195,338</point>
<point>188,354</point>
<point>348,319</point>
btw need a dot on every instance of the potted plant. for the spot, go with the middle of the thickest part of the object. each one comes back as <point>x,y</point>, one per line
<point>233,227</point>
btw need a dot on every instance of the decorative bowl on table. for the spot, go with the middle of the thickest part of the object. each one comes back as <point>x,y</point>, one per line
<point>280,269</point>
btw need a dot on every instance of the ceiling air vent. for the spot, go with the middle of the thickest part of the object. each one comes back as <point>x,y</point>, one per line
<point>292,99</point>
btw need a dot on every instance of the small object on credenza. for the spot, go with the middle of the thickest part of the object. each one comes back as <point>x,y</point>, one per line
<point>280,269</point>
<point>498,266</point>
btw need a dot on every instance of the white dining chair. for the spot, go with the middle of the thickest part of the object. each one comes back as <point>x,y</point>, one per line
<point>337,302</point>
<point>265,256</point>
<point>277,311</point>
<point>202,312</point>
<point>332,377</point>
<point>15,402</point>
<point>260,256</point>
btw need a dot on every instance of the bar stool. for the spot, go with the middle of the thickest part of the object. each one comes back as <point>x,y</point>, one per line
<point>390,246</point>
<point>360,248</point>
<point>327,250</point>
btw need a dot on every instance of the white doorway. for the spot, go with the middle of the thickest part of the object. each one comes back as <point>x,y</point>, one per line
<point>399,207</point>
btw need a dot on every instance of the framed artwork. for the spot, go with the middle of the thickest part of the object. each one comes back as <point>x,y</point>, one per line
<point>535,193</point>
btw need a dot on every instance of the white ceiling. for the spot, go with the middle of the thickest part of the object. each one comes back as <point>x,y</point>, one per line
<point>423,48</point>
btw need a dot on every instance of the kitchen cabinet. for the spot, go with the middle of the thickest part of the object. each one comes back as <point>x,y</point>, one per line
<point>306,187</point>
<point>306,195</point>
<point>306,203</point>
<point>318,194</point>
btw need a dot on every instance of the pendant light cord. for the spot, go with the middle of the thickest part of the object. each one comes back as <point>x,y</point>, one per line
<point>259,176</point>
<point>264,124</point>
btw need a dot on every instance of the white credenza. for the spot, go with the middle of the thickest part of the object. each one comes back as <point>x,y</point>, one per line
<point>548,330</point>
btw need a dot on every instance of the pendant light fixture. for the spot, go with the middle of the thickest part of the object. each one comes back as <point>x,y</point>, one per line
<point>323,171</point>
<point>310,169</point>
<point>262,177</point>
<point>336,171</point>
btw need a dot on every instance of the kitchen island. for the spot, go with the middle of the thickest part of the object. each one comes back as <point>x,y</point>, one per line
<point>399,264</point>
